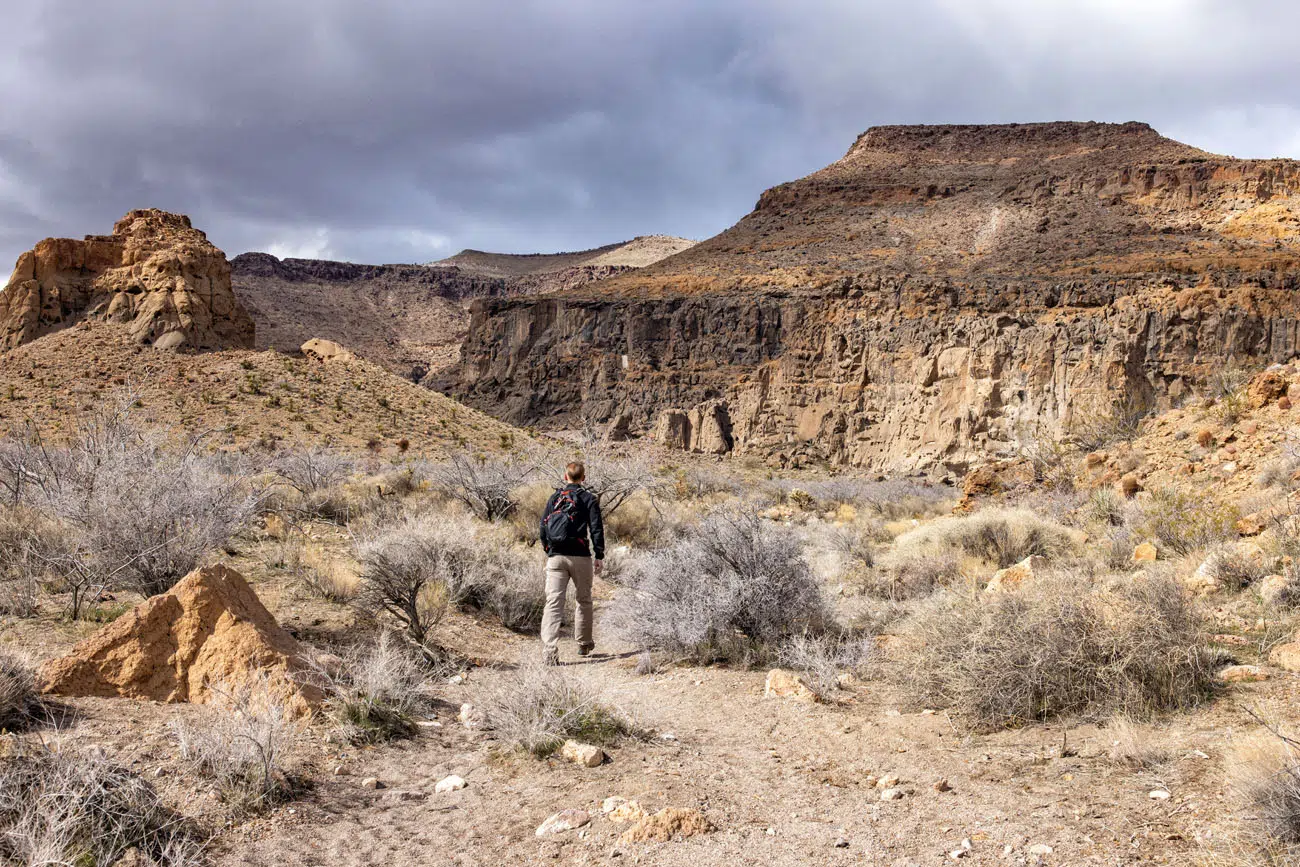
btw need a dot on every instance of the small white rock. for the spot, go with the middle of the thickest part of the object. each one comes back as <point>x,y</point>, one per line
<point>565,820</point>
<point>1040,849</point>
<point>586,755</point>
<point>371,783</point>
<point>1158,795</point>
<point>958,853</point>
<point>452,783</point>
<point>887,782</point>
<point>892,794</point>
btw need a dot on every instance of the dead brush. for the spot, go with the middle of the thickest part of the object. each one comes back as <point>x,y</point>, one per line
<point>900,578</point>
<point>377,690</point>
<point>1002,537</point>
<point>245,745</point>
<point>19,699</point>
<point>1133,746</point>
<point>1059,646</point>
<point>326,577</point>
<point>538,708</point>
<point>64,808</point>
<point>822,659</point>
<point>1264,771</point>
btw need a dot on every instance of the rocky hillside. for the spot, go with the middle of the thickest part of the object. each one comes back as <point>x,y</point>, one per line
<point>156,274</point>
<point>411,318</point>
<point>930,300</point>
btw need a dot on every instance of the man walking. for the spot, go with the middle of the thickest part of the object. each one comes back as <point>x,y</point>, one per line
<point>571,515</point>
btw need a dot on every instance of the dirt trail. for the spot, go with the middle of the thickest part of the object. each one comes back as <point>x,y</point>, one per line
<point>783,781</point>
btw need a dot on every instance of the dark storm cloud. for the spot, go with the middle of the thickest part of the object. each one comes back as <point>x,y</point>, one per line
<point>405,131</point>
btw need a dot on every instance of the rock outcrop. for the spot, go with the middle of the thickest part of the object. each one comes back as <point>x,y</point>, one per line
<point>156,273</point>
<point>937,298</point>
<point>210,630</point>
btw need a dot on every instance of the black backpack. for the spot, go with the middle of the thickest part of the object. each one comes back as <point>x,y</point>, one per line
<point>561,522</point>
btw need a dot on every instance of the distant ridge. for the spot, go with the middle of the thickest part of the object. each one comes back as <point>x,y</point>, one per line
<point>639,252</point>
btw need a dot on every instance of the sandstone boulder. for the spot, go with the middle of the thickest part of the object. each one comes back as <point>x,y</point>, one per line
<point>586,755</point>
<point>210,630</point>
<point>156,274</point>
<point>1145,553</point>
<point>781,683</point>
<point>666,824</point>
<point>1286,656</point>
<point>1266,388</point>
<point>1014,576</point>
<point>326,351</point>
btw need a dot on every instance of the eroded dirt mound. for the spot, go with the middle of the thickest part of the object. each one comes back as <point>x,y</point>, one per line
<point>156,273</point>
<point>210,630</point>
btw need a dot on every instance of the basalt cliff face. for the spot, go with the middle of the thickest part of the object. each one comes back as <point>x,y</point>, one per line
<point>939,296</point>
<point>156,274</point>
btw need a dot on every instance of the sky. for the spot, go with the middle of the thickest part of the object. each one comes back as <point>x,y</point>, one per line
<point>392,131</point>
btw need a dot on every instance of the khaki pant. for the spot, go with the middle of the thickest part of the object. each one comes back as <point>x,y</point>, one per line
<point>560,571</point>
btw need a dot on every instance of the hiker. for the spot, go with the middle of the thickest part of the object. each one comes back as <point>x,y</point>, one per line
<point>571,514</point>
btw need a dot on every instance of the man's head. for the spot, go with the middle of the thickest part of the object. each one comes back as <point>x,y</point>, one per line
<point>575,472</point>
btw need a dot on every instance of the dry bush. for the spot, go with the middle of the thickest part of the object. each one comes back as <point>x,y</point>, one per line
<point>377,690</point>
<point>1234,569</point>
<point>309,471</point>
<point>1182,522</point>
<point>62,808</point>
<point>732,588</point>
<point>1264,770</point>
<point>1059,646</point>
<point>135,512</point>
<point>822,658</point>
<point>1121,422</point>
<point>901,578</point>
<point>244,746</point>
<point>638,523</point>
<point>695,482</point>
<point>857,541</point>
<point>18,696</point>
<point>1000,536</point>
<point>1118,545</point>
<point>24,535</point>
<point>537,708</point>
<point>890,500</point>
<point>483,483</point>
<point>325,576</point>
<point>616,472</point>
<point>1132,745</point>
<point>414,567</point>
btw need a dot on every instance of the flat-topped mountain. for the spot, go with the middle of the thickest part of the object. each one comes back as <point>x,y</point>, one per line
<point>637,253</point>
<point>936,297</point>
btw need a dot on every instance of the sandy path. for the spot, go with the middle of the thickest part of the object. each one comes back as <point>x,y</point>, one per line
<point>753,764</point>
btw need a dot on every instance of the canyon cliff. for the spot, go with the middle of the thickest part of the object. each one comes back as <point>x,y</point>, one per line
<point>940,296</point>
<point>156,274</point>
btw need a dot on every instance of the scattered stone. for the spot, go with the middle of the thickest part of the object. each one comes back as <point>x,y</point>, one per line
<point>1145,553</point>
<point>470,717</point>
<point>892,794</point>
<point>1267,387</point>
<point>1130,485</point>
<point>210,628</point>
<point>340,771</point>
<point>1286,656</point>
<point>1274,588</point>
<point>1040,849</point>
<point>451,783</point>
<point>586,755</point>
<point>406,795</point>
<point>371,783</point>
<point>666,824</point>
<point>628,811</point>
<point>942,786</point>
<point>841,843</point>
<point>1243,674</point>
<point>787,684</point>
<point>428,724</point>
<point>1158,795</point>
<point>565,820</point>
<point>1013,576</point>
<point>958,853</point>
<point>888,781</point>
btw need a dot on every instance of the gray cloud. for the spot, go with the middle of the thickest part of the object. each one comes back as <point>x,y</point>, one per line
<point>399,131</point>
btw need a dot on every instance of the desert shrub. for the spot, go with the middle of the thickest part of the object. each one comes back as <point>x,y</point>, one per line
<point>1182,522</point>
<point>822,658</point>
<point>638,523</point>
<point>1234,569</point>
<point>24,535</point>
<point>377,689</point>
<point>18,697</point>
<point>483,483</point>
<point>695,482</point>
<point>733,587</point>
<point>1264,772</point>
<point>901,578</point>
<point>135,512</point>
<point>244,747</point>
<point>309,471</point>
<point>1120,422</point>
<point>1105,506</point>
<point>1060,646</point>
<point>891,499</point>
<point>537,708</point>
<point>1132,746</point>
<point>1000,536</point>
<point>1117,547</point>
<point>63,808</point>
<point>617,473</point>
<point>857,541</point>
<point>414,567</point>
<point>326,577</point>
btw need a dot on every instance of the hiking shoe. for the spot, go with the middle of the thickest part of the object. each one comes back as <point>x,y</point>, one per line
<point>585,649</point>
<point>551,657</point>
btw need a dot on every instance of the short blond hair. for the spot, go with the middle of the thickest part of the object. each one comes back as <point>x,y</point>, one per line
<point>575,471</point>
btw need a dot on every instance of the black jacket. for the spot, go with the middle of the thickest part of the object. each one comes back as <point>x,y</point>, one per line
<point>588,522</point>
